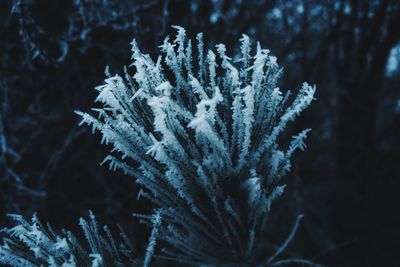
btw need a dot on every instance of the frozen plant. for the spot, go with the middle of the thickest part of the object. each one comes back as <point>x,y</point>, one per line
<point>32,244</point>
<point>203,132</point>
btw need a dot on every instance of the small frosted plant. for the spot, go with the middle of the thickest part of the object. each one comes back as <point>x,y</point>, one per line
<point>32,244</point>
<point>203,132</point>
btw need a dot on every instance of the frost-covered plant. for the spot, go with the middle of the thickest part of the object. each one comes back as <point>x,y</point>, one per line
<point>205,137</point>
<point>32,244</point>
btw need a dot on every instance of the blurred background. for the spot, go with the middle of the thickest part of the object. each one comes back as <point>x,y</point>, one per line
<point>347,183</point>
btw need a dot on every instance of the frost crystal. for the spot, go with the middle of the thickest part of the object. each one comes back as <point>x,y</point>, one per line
<point>31,244</point>
<point>205,137</point>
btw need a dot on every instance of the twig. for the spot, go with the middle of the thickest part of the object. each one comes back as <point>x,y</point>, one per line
<point>288,240</point>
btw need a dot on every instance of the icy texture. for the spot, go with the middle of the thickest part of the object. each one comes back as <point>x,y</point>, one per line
<point>32,244</point>
<point>203,131</point>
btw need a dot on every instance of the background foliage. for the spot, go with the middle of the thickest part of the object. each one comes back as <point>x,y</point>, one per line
<point>347,183</point>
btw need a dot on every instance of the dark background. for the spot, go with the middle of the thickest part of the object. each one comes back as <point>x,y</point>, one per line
<point>347,183</point>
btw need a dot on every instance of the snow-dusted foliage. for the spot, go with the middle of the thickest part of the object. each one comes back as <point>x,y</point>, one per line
<point>32,244</point>
<point>203,130</point>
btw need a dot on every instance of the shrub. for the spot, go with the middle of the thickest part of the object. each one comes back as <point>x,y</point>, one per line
<point>204,135</point>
